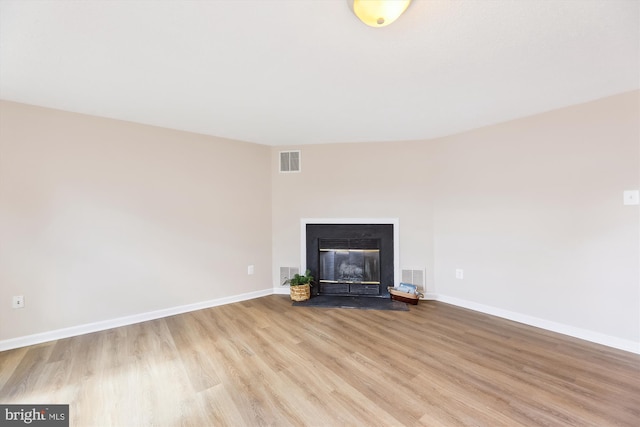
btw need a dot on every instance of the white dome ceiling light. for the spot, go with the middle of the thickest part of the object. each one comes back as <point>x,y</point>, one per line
<point>378,13</point>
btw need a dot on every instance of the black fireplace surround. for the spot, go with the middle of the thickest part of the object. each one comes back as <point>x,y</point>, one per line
<point>350,259</point>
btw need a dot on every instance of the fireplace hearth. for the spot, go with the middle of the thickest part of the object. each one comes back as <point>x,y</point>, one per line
<point>350,259</point>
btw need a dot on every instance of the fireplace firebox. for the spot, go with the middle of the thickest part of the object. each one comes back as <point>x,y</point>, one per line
<point>350,259</point>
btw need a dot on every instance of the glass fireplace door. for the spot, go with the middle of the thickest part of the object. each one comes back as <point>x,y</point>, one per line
<point>349,266</point>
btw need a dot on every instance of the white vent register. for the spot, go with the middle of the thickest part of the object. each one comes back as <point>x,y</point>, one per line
<point>287,273</point>
<point>415,277</point>
<point>289,161</point>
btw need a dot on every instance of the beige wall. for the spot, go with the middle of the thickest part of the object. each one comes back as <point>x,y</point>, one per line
<point>530,209</point>
<point>378,180</point>
<point>101,219</point>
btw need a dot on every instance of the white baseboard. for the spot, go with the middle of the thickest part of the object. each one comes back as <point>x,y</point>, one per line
<point>572,331</point>
<point>124,321</point>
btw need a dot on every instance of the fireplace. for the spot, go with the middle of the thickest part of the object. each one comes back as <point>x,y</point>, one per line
<point>350,259</point>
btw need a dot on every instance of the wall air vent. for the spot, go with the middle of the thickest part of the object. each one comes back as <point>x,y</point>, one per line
<point>287,273</point>
<point>289,161</point>
<point>415,277</point>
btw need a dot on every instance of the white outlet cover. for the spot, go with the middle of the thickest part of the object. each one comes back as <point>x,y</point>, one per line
<point>18,302</point>
<point>631,197</point>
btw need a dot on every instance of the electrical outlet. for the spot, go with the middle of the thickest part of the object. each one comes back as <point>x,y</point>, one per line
<point>18,301</point>
<point>250,270</point>
<point>459,273</point>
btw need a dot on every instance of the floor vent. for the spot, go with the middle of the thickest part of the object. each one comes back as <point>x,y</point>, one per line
<point>289,161</point>
<point>288,272</point>
<point>415,277</point>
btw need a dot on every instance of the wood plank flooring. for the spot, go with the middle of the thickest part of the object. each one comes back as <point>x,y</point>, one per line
<point>264,362</point>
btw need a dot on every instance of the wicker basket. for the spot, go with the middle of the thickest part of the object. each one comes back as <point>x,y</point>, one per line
<point>403,296</point>
<point>300,292</point>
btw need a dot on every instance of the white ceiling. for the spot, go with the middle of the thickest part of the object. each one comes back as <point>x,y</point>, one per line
<point>282,72</point>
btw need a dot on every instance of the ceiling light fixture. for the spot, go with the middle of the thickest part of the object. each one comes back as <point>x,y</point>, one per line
<point>378,13</point>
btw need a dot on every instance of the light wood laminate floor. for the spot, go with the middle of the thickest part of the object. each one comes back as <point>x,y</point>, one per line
<point>264,362</point>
